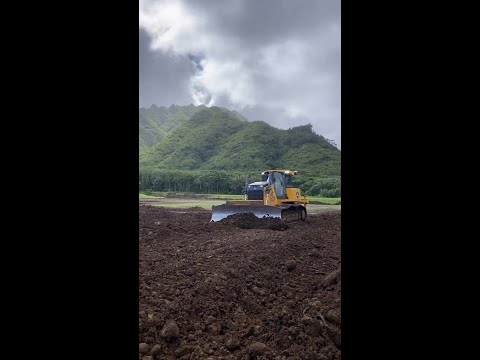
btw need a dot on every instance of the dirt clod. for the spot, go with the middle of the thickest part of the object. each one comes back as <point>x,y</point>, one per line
<point>336,337</point>
<point>170,331</point>
<point>213,290</point>
<point>143,348</point>
<point>291,265</point>
<point>214,329</point>
<point>250,221</point>
<point>155,349</point>
<point>183,350</point>
<point>313,327</point>
<point>331,279</point>
<point>256,349</point>
<point>333,317</point>
<point>232,345</point>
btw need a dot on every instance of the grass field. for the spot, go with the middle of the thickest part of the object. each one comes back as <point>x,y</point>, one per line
<point>326,200</point>
<point>145,196</point>
<point>187,203</point>
<point>226,196</point>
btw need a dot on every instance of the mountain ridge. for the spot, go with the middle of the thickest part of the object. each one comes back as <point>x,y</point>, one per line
<point>215,140</point>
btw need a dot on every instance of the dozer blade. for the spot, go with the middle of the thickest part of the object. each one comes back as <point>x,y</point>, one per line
<point>261,211</point>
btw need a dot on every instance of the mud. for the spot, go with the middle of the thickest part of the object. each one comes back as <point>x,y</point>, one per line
<point>250,221</point>
<point>238,289</point>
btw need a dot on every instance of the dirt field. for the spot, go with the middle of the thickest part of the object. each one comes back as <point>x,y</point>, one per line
<point>238,289</point>
<point>208,203</point>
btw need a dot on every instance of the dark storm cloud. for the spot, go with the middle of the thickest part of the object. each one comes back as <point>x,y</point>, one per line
<point>263,22</point>
<point>271,60</point>
<point>197,61</point>
<point>163,78</point>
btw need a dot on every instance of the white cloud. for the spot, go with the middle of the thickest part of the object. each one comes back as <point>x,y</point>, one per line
<point>292,72</point>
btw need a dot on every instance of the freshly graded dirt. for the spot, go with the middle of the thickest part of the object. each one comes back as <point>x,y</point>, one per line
<point>250,221</point>
<point>239,288</point>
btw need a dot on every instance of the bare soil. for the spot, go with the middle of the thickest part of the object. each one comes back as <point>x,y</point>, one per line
<point>240,288</point>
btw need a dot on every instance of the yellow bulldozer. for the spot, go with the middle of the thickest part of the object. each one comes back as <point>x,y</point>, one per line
<point>273,197</point>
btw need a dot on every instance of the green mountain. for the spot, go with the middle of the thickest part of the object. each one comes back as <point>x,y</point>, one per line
<point>219,147</point>
<point>156,122</point>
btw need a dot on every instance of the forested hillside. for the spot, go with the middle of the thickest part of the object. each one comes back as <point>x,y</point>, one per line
<point>202,149</point>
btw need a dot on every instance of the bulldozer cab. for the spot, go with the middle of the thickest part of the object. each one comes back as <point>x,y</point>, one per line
<point>279,184</point>
<point>279,180</point>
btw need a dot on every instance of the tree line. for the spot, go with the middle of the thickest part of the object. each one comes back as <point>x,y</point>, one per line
<point>223,182</point>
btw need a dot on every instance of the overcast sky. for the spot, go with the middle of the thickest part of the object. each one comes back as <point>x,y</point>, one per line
<point>271,60</point>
